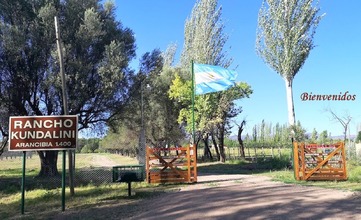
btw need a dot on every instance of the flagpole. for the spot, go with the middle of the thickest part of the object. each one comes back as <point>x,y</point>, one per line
<point>193,124</point>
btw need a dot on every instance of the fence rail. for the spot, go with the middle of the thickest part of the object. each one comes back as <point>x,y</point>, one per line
<point>251,153</point>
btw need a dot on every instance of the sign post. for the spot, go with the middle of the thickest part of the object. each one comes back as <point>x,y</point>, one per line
<point>43,133</point>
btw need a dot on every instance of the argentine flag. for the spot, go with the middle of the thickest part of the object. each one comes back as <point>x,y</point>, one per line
<point>210,78</point>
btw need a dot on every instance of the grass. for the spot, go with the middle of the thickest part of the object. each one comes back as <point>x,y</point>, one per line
<point>277,169</point>
<point>43,199</point>
<point>42,204</point>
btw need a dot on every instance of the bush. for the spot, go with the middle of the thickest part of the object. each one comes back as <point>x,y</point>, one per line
<point>354,171</point>
<point>86,149</point>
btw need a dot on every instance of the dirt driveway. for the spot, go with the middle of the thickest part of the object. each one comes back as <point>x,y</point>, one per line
<point>251,197</point>
<point>236,197</point>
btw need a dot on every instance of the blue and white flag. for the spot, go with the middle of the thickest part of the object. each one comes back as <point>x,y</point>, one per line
<point>210,78</point>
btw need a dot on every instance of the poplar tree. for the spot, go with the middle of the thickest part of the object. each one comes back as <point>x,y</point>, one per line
<point>204,42</point>
<point>285,33</point>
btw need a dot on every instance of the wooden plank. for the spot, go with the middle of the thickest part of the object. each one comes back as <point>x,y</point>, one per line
<point>172,167</point>
<point>296,160</point>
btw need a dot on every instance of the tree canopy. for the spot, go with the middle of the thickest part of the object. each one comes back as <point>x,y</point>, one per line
<point>285,39</point>
<point>204,42</point>
<point>97,50</point>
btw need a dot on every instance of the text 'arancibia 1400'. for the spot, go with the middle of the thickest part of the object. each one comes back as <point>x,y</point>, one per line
<point>43,132</point>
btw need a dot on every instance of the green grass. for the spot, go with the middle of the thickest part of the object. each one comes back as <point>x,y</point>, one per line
<point>277,169</point>
<point>43,198</point>
<point>42,204</point>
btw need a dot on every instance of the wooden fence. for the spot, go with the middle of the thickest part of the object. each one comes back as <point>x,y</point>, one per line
<point>171,165</point>
<point>251,153</point>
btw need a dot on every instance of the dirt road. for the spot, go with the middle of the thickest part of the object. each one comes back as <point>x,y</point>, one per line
<point>251,197</point>
<point>233,197</point>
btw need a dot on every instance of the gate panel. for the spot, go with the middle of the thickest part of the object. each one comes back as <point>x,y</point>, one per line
<point>171,165</point>
<point>319,162</point>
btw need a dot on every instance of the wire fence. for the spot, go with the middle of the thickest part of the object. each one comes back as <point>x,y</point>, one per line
<point>11,173</point>
<point>251,153</point>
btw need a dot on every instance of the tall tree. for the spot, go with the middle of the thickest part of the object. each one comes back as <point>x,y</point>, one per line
<point>160,113</point>
<point>285,39</point>
<point>343,120</point>
<point>314,136</point>
<point>204,42</point>
<point>97,50</point>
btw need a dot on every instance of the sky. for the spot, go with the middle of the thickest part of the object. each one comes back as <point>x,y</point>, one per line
<point>332,68</point>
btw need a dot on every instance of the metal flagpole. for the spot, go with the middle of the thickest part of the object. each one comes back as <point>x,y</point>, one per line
<point>193,88</point>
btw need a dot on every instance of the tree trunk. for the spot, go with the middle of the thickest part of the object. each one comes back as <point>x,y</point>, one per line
<point>216,147</point>
<point>221,143</point>
<point>290,106</point>
<point>240,141</point>
<point>207,152</point>
<point>48,161</point>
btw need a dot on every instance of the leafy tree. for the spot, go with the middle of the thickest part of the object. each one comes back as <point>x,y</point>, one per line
<point>97,50</point>
<point>160,113</point>
<point>285,39</point>
<point>358,138</point>
<point>204,42</point>
<point>314,136</point>
<point>323,137</point>
<point>299,132</point>
<point>169,55</point>
<point>121,140</point>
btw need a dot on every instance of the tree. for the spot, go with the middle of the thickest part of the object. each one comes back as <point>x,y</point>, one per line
<point>160,113</point>
<point>285,39</point>
<point>239,138</point>
<point>344,121</point>
<point>122,140</point>
<point>204,42</point>
<point>314,136</point>
<point>299,132</point>
<point>97,51</point>
<point>358,138</point>
<point>323,137</point>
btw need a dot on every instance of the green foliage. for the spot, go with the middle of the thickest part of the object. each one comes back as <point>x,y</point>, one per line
<point>97,50</point>
<point>265,134</point>
<point>323,138</point>
<point>86,149</point>
<point>204,37</point>
<point>285,38</point>
<point>298,132</point>
<point>314,136</point>
<point>358,138</point>
<point>285,34</point>
<point>150,106</point>
<point>123,139</point>
<point>354,171</point>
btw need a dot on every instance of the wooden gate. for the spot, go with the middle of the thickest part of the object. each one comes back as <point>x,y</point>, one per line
<point>319,162</point>
<point>171,165</point>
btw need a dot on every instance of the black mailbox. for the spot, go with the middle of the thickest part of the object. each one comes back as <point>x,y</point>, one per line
<point>128,174</point>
